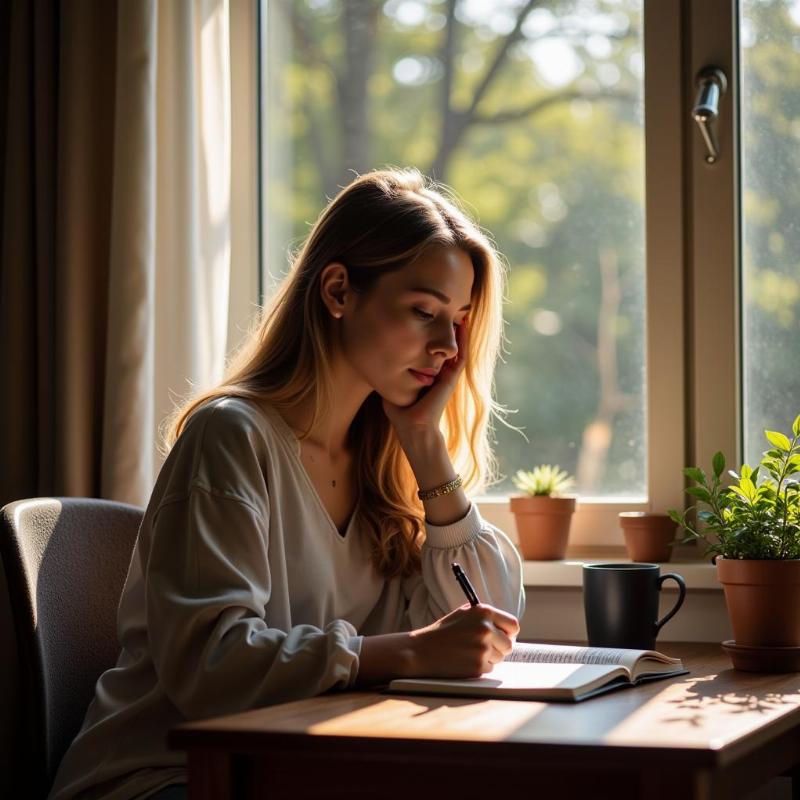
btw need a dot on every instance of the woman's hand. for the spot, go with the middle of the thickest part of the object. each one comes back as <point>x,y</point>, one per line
<point>425,413</point>
<point>418,430</point>
<point>463,644</point>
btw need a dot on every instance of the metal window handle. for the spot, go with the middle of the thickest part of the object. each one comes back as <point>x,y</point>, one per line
<point>711,85</point>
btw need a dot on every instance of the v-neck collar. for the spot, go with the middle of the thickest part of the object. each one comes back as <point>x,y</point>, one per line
<point>288,435</point>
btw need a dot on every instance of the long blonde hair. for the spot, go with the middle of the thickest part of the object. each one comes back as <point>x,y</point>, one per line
<point>379,223</point>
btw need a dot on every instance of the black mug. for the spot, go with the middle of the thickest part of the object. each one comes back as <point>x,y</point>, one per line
<point>621,604</point>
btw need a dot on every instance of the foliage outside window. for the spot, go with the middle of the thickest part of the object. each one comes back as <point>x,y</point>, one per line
<point>770,111</point>
<point>533,113</point>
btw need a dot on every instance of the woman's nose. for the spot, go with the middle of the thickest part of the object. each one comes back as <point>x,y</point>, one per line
<point>445,343</point>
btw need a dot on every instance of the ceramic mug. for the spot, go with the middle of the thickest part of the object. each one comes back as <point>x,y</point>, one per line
<point>621,604</point>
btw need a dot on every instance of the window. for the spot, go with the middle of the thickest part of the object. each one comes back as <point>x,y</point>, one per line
<point>625,362</point>
<point>534,115</point>
<point>770,101</point>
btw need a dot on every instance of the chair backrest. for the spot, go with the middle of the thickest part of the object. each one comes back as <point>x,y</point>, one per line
<point>65,562</point>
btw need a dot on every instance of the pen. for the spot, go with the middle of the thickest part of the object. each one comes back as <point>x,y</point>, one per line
<point>463,582</point>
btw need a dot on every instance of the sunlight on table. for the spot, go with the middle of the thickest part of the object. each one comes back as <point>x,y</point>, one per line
<point>480,720</point>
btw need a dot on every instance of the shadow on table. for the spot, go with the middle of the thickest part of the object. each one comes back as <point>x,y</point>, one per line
<point>712,691</point>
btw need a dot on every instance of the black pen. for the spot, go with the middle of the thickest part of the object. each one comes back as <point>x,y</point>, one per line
<point>463,582</point>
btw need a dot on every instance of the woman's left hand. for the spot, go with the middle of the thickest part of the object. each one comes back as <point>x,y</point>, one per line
<point>426,412</point>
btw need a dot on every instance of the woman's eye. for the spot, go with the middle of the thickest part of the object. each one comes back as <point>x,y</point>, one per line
<point>423,314</point>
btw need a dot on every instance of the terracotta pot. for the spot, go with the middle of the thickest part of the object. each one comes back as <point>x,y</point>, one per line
<point>543,526</point>
<point>763,599</point>
<point>648,537</point>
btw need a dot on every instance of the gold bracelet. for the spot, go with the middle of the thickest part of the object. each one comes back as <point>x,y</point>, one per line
<point>438,491</point>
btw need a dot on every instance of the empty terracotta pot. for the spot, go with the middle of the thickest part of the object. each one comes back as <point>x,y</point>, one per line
<point>648,536</point>
<point>543,526</point>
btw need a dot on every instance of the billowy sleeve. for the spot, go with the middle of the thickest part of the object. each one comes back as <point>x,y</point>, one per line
<point>207,582</point>
<point>489,559</point>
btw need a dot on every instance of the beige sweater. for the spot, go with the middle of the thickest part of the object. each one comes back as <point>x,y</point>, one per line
<point>241,593</point>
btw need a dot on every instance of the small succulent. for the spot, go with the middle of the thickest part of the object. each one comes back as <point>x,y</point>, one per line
<point>544,480</point>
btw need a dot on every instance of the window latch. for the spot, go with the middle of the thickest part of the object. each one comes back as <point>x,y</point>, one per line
<point>711,85</point>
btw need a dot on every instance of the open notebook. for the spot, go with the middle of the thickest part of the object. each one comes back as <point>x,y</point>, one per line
<point>553,672</point>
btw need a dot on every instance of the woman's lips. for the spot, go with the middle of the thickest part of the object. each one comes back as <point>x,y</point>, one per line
<point>425,380</point>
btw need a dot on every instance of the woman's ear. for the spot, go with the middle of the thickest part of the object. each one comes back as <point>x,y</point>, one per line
<point>335,288</point>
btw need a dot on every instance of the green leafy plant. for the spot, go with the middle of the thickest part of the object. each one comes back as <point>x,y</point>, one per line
<point>544,480</point>
<point>748,519</point>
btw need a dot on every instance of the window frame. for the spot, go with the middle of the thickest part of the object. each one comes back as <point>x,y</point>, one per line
<point>714,252</point>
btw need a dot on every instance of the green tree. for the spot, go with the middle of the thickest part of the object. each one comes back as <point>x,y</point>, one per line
<point>771,216</point>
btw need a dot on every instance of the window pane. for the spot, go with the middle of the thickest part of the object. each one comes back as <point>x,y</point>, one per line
<point>770,118</point>
<point>541,134</point>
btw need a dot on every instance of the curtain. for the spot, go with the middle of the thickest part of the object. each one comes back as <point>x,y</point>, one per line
<point>115,258</point>
<point>170,247</point>
<point>54,265</point>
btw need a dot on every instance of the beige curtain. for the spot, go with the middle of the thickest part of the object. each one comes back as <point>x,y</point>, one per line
<point>170,244</point>
<point>117,238</point>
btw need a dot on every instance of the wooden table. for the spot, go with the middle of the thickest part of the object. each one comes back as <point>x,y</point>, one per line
<point>715,733</point>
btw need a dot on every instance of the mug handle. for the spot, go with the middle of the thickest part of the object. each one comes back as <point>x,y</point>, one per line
<point>682,594</point>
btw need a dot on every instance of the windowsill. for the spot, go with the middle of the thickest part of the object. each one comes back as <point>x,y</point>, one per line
<point>698,575</point>
<point>633,503</point>
<point>601,542</point>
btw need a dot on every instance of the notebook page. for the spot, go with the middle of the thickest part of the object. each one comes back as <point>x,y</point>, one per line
<point>564,654</point>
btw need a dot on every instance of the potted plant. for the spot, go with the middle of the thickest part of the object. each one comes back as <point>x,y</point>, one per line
<point>752,530</point>
<point>542,513</point>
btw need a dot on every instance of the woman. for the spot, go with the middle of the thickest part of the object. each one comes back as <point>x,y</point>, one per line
<point>300,535</point>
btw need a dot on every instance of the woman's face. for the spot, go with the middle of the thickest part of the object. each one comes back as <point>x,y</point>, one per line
<point>399,334</point>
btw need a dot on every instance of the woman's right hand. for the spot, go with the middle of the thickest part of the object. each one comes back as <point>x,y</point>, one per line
<point>464,643</point>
